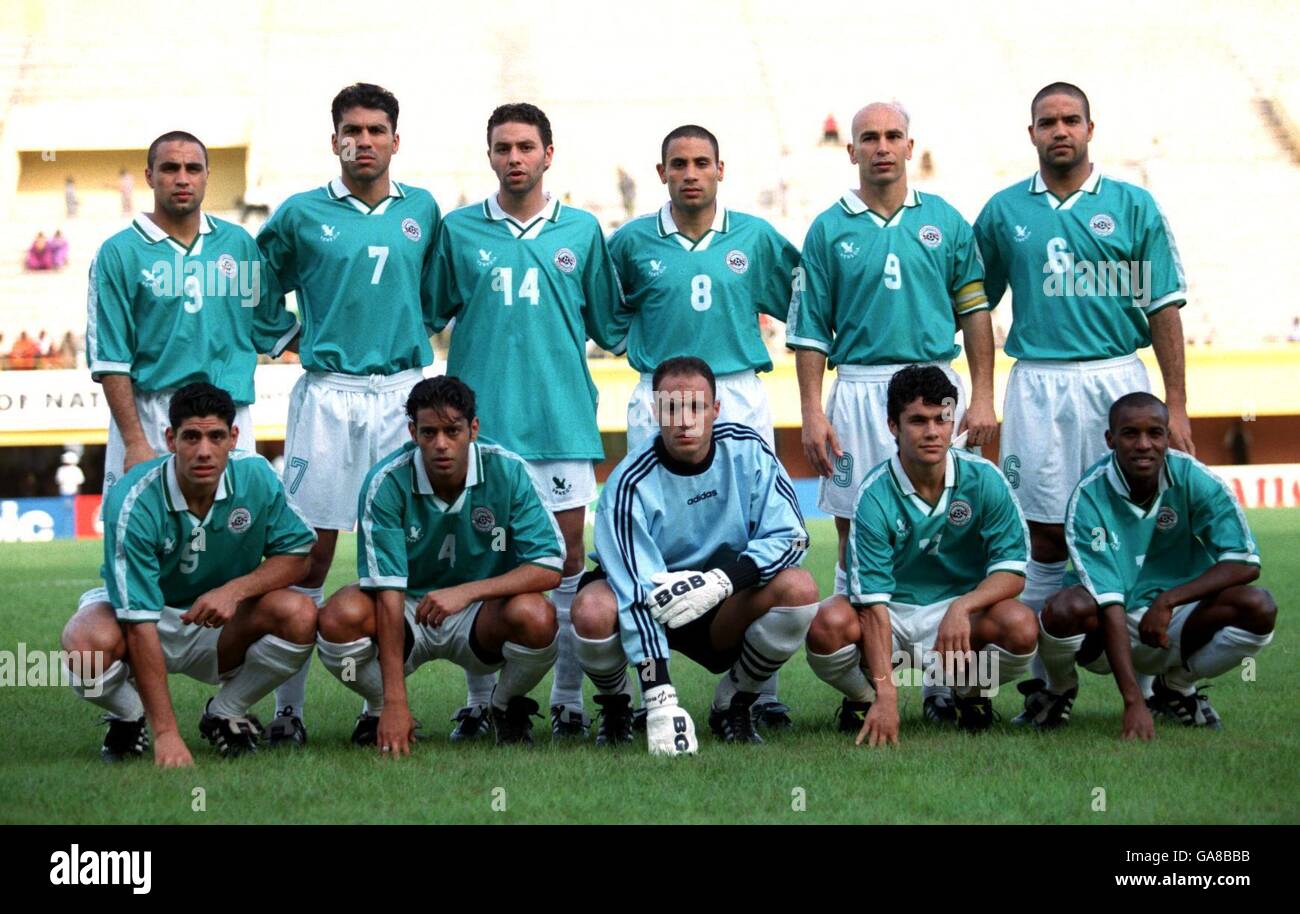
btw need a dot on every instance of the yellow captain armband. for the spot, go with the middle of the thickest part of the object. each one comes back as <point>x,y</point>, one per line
<point>970,297</point>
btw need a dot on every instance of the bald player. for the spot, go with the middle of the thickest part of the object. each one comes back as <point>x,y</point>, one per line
<point>888,277</point>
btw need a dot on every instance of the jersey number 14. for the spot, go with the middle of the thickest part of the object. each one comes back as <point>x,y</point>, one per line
<point>503,282</point>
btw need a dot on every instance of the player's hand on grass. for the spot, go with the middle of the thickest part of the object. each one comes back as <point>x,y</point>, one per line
<point>213,609</point>
<point>437,605</point>
<point>953,638</point>
<point>980,423</point>
<point>396,731</point>
<point>1153,630</point>
<point>1138,723</point>
<point>819,442</point>
<point>684,596</point>
<point>170,751</point>
<point>137,453</point>
<point>1180,431</point>
<point>880,728</point>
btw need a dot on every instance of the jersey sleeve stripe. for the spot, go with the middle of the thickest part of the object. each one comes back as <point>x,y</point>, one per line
<point>1075,557</point>
<point>367,523</point>
<point>622,523</point>
<point>1012,566</point>
<point>383,582</point>
<point>803,342</point>
<point>119,549</point>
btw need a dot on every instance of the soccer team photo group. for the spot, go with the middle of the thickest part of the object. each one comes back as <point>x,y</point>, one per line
<point>468,491</point>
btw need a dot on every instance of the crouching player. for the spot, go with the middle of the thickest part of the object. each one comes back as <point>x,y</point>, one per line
<point>454,549</point>
<point>698,535</point>
<point>1165,560</point>
<point>200,547</point>
<point>937,553</point>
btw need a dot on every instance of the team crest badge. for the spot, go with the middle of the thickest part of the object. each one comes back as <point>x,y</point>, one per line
<point>930,236</point>
<point>411,229</point>
<point>566,260</point>
<point>959,513</point>
<point>1102,225</point>
<point>737,262</point>
<point>483,519</point>
<point>328,232</point>
<point>226,264</point>
<point>240,520</point>
<point>1166,518</point>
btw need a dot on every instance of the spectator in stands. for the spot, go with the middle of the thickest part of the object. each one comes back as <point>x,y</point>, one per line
<point>627,191</point>
<point>70,196</point>
<point>126,186</point>
<point>4,358</point>
<point>24,354</point>
<point>66,355</point>
<point>1294,335</point>
<point>927,164</point>
<point>830,131</point>
<point>69,477</point>
<point>58,250</point>
<point>38,255</point>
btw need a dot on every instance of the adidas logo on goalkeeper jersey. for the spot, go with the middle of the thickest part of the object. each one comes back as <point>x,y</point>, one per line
<point>703,495</point>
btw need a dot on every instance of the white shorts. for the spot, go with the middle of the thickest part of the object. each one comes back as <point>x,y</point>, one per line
<point>449,641</point>
<point>564,484</point>
<point>857,410</point>
<point>916,628</point>
<point>1151,660</point>
<point>152,410</point>
<point>741,393</point>
<point>340,426</point>
<point>187,649</point>
<point>1054,426</point>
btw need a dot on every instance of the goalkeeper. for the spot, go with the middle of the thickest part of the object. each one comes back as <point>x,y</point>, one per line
<point>698,538</point>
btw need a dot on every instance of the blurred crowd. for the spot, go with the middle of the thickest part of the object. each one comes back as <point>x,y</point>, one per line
<point>26,353</point>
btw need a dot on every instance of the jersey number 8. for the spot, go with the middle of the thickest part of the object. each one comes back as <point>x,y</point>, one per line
<point>701,292</point>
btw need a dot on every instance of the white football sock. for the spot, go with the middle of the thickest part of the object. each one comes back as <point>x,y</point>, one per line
<point>292,693</point>
<point>269,661</point>
<point>525,667</point>
<point>843,670</point>
<point>478,689</point>
<point>1057,656</point>
<point>769,642</point>
<point>356,665</point>
<point>566,683</point>
<point>113,691</point>
<point>841,580</point>
<point>1002,664</point>
<point>1229,646</point>
<point>1042,579</point>
<point>604,662</point>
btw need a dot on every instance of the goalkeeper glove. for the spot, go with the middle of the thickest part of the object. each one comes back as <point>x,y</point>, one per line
<point>684,596</point>
<point>669,730</point>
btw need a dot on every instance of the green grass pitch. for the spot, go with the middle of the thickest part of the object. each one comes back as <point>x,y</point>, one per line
<point>50,770</point>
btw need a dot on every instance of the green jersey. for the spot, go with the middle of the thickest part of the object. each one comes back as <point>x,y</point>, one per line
<point>1127,554</point>
<point>525,298</point>
<point>904,550</point>
<point>702,298</point>
<point>170,315</point>
<point>1085,273</point>
<point>359,273</point>
<point>877,290</point>
<point>156,553</point>
<point>410,539</point>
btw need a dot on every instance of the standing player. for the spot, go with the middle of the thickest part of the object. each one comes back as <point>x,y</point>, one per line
<point>695,278</point>
<point>1166,561</point>
<point>200,548</point>
<point>356,252</point>
<point>936,561</point>
<point>177,297</point>
<point>698,534</point>
<point>527,280</point>
<point>453,551</point>
<point>1094,276</point>
<point>888,276</point>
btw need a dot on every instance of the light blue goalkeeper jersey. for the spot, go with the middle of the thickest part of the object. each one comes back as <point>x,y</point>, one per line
<point>1085,273</point>
<point>525,298</point>
<point>657,514</point>
<point>359,273</point>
